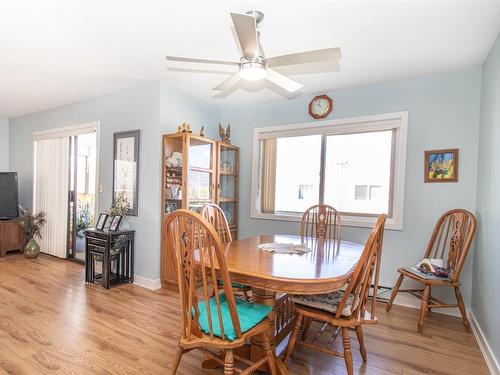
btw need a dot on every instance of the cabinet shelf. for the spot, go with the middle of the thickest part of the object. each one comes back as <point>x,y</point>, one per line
<point>228,200</point>
<point>200,169</point>
<point>173,170</point>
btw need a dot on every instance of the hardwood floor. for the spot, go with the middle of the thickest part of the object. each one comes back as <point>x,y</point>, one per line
<point>52,323</point>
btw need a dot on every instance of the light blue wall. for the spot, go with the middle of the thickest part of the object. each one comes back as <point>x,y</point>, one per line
<point>177,107</point>
<point>4,144</point>
<point>155,109</point>
<point>443,113</point>
<point>485,300</point>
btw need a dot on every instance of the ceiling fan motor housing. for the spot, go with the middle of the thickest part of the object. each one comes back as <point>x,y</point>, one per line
<point>259,16</point>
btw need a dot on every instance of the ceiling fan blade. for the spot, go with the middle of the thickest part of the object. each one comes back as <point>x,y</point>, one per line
<point>284,82</point>
<point>246,30</point>
<point>198,60</point>
<point>230,82</point>
<point>304,57</point>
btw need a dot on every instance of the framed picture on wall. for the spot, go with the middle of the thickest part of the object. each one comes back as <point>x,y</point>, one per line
<point>441,165</point>
<point>126,168</point>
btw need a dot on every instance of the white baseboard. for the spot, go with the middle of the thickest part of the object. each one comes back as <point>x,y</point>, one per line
<point>152,284</point>
<point>489,356</point>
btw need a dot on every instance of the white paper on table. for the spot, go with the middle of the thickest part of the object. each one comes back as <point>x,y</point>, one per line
<point>284,248</point>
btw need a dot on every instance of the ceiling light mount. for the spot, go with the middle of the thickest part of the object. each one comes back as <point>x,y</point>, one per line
<point>253,71</point>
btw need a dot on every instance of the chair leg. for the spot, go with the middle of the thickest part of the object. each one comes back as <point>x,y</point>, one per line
<point>461,306</point>
<point>347,350</point>
<point>177,360</point>
<point>229,363</point>
<point>245,296</point>
<point>361,340</point>
<point>307,325</point>
<point>394,293</point>
<point>268,349</point>
<point>430,294</point>
<point>293,336</point>
<point>423,307</point>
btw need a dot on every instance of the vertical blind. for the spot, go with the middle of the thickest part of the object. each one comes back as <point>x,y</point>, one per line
<point>268,187</point>
<point>51,192</point>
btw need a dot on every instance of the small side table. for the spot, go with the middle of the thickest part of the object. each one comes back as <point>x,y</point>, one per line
<point>114,250</point>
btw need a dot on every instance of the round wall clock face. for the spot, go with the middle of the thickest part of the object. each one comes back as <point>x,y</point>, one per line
<point>320,106</point>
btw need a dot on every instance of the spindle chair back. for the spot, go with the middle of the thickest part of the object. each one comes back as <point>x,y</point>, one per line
<point>321,221</point>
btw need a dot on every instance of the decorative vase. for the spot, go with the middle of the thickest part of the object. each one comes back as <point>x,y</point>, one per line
<point>124,224</point>
<point>32,249</point>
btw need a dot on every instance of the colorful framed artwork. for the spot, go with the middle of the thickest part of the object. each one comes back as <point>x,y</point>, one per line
<point>441,165</point>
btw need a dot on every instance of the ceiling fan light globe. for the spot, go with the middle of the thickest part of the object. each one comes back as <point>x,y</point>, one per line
<point>253,73</point>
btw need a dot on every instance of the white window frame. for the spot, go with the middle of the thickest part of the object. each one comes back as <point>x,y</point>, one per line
<point>388,121</point>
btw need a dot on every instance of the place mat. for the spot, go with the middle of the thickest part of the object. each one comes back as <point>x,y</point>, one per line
<point>284,248</point>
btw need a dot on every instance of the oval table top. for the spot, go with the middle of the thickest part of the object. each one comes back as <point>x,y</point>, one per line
<point>325,269</point>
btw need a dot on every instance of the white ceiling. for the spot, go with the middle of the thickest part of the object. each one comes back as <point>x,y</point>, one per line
<point>57,52</point>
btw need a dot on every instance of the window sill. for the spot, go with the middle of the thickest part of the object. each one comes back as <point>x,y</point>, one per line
<point>347,220</point>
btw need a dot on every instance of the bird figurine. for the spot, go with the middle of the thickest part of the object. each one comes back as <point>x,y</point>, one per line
<point>202,131</point>
<point>225,135</point>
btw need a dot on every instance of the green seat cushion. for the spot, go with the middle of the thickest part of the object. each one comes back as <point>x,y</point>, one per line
<point>250,315</point>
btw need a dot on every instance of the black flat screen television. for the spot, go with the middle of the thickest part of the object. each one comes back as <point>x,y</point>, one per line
<point>8,195</point>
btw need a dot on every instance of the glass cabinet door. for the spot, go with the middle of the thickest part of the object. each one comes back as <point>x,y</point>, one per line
<point>229,209</point>
<point>227,184</point>
<point>173,174</point>
<point>200,154</point>
<point>200,189</point>
<point>228,160</point>
<point>201,181</point>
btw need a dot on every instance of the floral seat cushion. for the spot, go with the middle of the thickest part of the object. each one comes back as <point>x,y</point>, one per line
<point>233,284</point>
<point>327,302</point>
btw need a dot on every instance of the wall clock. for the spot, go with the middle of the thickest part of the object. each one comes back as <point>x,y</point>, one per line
<point>320,106</point>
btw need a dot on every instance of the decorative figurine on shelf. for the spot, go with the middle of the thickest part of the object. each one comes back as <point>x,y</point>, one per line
<point>184,128</point>
<point>174,160</point>
<point>202,131</point>
<point>225,135</point>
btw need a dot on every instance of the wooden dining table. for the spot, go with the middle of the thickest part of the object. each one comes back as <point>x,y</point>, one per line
<point>275,276</point>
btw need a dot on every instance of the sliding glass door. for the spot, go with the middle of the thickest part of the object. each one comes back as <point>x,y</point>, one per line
<point>82,191</point>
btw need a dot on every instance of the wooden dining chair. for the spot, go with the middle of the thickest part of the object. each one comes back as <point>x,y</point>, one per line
<point>213,324</point>
<point>450,241</point>
<point>321,221</point>
<point>215,216</point>
<point>345,309</point>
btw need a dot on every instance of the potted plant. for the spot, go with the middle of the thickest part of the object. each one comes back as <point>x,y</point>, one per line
<point>120,208</point>
<point>32,224</point>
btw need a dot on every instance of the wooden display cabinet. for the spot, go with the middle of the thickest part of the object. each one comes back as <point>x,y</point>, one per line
<point>208,173</point>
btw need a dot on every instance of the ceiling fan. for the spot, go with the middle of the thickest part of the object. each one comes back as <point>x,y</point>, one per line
<point>254,65</point>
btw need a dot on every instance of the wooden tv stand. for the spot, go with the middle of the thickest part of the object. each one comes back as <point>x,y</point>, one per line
<point>11,236</point>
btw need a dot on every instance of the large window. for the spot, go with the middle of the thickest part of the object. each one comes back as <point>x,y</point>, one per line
<point>354,165</point>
